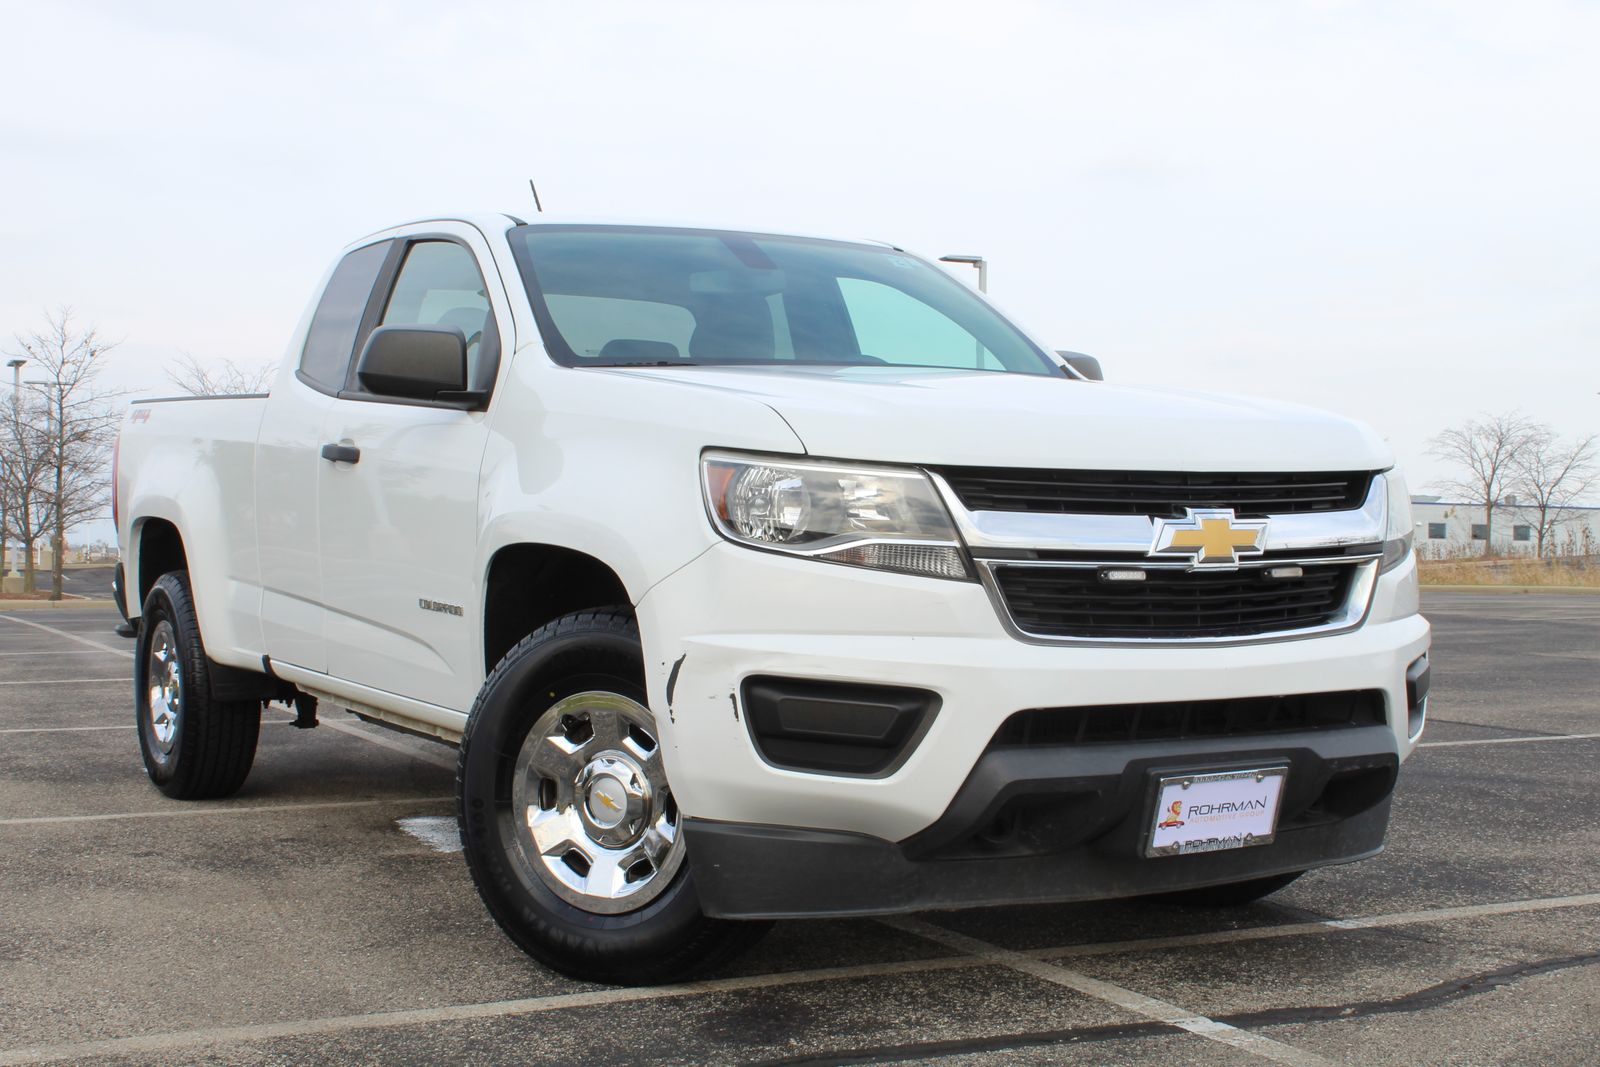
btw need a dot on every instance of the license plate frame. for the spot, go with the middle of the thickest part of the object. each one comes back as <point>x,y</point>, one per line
<point>1243,804</point>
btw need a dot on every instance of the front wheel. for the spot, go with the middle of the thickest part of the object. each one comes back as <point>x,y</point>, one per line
<point>570,828</point>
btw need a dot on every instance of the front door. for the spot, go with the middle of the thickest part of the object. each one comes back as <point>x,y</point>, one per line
<point>398,526</point>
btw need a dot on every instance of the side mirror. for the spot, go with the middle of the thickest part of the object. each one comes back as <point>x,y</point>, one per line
<point>414,362</point>
<point>1087,366</point>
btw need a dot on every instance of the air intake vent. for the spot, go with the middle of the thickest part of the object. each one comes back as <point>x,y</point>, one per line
<point>1192,719</point>
<point>1170,603</point>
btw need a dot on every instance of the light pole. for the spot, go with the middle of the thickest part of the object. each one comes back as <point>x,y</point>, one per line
<point>54,422</point>
<point>973,261</point>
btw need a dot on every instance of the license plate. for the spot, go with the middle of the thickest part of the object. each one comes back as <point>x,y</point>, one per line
<point>1212,812</point>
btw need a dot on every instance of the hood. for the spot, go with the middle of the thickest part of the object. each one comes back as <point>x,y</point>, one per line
<point>936,417</point>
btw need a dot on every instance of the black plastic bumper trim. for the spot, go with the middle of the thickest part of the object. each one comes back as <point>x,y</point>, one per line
<point>1050,825</point>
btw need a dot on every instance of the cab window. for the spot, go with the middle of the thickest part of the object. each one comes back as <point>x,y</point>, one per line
<point>439,285</point>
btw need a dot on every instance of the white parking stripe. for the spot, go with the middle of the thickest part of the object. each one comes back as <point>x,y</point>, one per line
<point>187,1039</point>
<point>438,759</point>
<point>1509,740</point>
<point>97,646</point>
<point>81,729</point>
<point>1258,933</point>
<point>58,652</point>
<point>174,1041</point>
<point>177,811</point>
<point>1136,1003</point>
<point>124,680</point>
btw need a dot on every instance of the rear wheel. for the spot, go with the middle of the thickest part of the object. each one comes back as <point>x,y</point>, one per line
<point>569,824</point>
<point>195,746</point>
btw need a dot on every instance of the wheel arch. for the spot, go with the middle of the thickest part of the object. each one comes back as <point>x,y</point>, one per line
<point>157,548</point>
<point>528,584</point>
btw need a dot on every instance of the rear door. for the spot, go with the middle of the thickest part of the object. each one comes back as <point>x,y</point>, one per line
<point>288,463</point>
<point>397,528</point>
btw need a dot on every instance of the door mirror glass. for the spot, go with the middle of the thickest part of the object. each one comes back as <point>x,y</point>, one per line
<point>1087,366</point>
<point>414,362</point>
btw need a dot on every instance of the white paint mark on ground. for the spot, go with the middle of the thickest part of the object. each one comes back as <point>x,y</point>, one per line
<point>177,1040</point>
<point>82,729</point>
<point>96,645</point>
<point>236,809</point>
<point>58,652</point>
<point>1135,1003</point>
<point>1371,922</point>
<point>375,736</point>
<point>438,832</point>
<point>1508,740</point>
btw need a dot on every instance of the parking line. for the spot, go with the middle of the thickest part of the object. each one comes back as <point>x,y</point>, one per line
<point>124,680</point>
<point>57,652</point>
<point>243,809</point>
<point>438,759</point>
<point>1508,740</point>
<point>187,1039</point>
<point>97,646</point>
<point>1150,1008</point>
<point>1371,922</point>
<point>176,1040</point>
<point>80,729</point>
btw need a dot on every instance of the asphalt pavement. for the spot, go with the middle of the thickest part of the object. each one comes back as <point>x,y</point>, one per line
<point>323,915</point>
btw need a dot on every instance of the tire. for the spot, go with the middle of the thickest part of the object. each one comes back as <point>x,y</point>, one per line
<point>1233,894</point>
<point>195,747</point>
<point>561,734</point>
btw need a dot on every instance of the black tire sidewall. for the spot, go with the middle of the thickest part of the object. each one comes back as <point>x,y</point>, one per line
<point>159,606</point>
<point>604,655</point>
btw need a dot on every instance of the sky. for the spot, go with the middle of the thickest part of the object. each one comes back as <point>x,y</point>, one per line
<point>1387,209</point>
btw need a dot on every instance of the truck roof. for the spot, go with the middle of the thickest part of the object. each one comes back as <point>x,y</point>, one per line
<point>498,221</point>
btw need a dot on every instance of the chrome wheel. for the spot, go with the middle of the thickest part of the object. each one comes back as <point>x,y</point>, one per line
<point>595,820</point>
<point>164,687</point>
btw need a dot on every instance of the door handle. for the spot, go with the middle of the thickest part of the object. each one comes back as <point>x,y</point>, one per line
<point>341,453</point>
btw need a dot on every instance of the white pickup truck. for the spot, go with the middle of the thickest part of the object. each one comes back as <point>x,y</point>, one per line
<point>763,576</point>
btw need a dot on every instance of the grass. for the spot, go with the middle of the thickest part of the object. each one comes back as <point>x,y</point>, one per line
<point>1564,573</point>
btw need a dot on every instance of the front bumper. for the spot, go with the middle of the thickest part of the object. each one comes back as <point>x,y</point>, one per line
<point>1054,824</point>
<point>734,613</point>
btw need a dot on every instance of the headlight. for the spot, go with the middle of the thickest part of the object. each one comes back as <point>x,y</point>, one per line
<point>879,517</point>
<point>1398,531</point>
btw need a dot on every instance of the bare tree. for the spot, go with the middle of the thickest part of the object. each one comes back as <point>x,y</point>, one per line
<point>1485,451</point>
<point>75,422</point>
<point>219,377</point>
<point>23,478</point>
<point>1551,475</point>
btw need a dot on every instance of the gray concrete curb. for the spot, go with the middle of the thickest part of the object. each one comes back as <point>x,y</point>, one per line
<point>1581,590</point>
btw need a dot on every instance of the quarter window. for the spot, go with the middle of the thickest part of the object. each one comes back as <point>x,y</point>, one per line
<point>332,336</point>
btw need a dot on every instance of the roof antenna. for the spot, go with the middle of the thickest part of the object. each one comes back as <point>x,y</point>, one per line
<point>535,189</point>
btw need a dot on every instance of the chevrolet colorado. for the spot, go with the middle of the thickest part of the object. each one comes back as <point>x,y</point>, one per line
<point>762,576</point>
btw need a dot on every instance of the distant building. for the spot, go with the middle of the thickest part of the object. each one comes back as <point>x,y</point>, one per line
<point>1446,528</point>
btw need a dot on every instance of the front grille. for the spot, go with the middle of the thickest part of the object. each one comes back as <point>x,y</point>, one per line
<point>1170,603</point>
<point>1192,719</point>
<point>1160,494</point>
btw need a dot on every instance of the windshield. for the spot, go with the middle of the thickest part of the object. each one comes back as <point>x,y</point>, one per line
<point>644,296</point>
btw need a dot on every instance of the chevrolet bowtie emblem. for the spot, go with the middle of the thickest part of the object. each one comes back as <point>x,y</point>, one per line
<point>1212,537</point>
